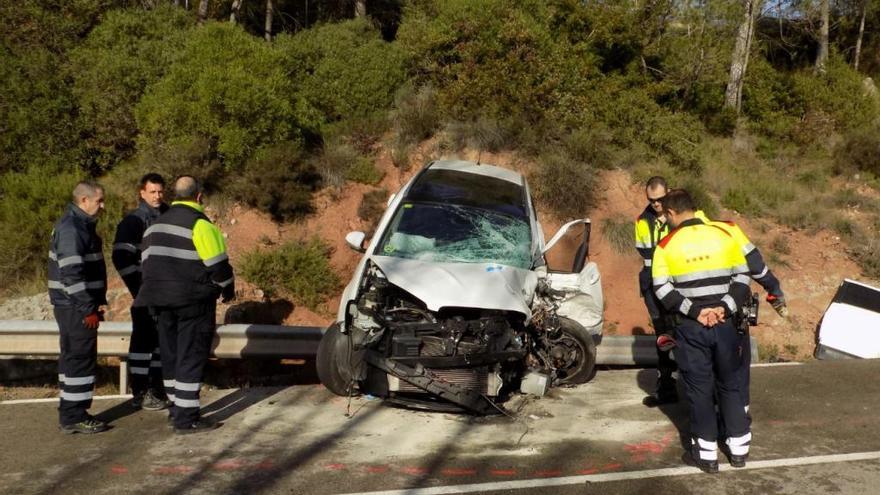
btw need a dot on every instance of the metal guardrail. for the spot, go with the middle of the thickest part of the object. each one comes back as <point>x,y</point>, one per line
<point>40,338</point>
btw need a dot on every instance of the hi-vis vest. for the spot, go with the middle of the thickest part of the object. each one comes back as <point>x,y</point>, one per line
<point>184,259</point>
<point>649,230</point>
<point>697,266</point>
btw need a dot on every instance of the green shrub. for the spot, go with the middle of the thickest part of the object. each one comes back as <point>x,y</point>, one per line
<point>341,162</point>
<point>129,50</point>
<point>593,145</point>
<point>298,269</point>
<point>481,134</point>
<point>780,245</point>
<point>859,151</point>
<point>29,206</point>
<point>400,153</point>
<point>364,171</point>
<point>618,230</point>
<point>416,115</point>
<point>342,71</point>
<point>741,200</point>
<point>566,186</point>
<point>228,89</point>
<point>278,180</point>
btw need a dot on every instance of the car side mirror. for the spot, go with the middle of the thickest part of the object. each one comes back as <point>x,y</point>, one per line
<point>355,240</point>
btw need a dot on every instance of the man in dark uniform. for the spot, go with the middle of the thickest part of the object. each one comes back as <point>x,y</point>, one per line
<point>143,352</point>
<point>700,273</point>
<point>77,288</point>
<point>650,228</point>
<point>185,269</point>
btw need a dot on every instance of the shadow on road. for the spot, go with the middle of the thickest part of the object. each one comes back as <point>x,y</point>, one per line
<point>677,412</point>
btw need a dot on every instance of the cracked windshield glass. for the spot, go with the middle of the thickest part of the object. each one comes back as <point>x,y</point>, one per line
<point>457,217</point>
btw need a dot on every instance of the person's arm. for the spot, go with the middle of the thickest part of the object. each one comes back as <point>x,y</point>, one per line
<point>126,252</point>
<point>646,251</point>
<point>212,251</point>
<point>71,253</point>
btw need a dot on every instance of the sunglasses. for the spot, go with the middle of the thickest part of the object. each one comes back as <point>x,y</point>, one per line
<point>656,200</point>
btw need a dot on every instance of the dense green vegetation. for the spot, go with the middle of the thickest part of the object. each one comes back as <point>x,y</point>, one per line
<point>111,89</point>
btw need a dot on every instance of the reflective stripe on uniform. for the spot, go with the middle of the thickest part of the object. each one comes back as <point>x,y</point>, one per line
<point>169,229</point>
<point>648,262</point>
<point>129,270</point>
<point>226,282</point>
<point>93,257</point>
<point>76,397</point>
<point>137,370</point>
<point>168,383</point>
<point>643,245</point>
<point>742,279</point>
<point>710,290</point>
<point>125,246</point>
<point>187,387</point>
<point>140,356</point>
<point>763,273</point>
<point>184,254</point>
<point>70,260</point>
<point>730,302</point>
<point>708,450</point>
<point>704,274</point>
<point>186,402</point>
<point>79,380</point>
<point>739,445</point>
<point>685,306</point>
<point>664,290</point>
<point>216,259</point>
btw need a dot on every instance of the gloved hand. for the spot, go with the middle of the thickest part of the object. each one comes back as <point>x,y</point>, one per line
<point>92,320</point>
<point>228,293</point>
<point>778,303</point>
<point>665,342</point>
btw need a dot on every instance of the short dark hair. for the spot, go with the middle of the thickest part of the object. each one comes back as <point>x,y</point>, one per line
<point>85,189</point>
<point>186,188</point>
<point>678,200</point>
<point>152,178</point>
<point>654,182</point>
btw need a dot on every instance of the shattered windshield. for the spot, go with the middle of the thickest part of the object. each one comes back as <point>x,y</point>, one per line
<point>461,217</point>
<point>457,234</point>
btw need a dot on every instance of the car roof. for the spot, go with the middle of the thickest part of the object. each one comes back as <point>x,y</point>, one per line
<point>479,169</point>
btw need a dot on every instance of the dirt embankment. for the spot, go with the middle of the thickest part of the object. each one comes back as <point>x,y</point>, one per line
<point>811,273</point>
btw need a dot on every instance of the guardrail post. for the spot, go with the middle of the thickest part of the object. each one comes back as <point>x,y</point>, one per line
<point>123,376</point>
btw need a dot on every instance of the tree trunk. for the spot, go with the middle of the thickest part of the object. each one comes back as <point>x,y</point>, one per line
<point>270,8</point>
<point>740,58</point>
<point>203,10</point>
<point>822,56</point>
<point>861,34</point>
<point>360,8</point>
<point>236,8</point>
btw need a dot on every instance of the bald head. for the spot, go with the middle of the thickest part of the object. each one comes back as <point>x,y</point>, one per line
<point>89,197</point>
<point>187,188</point>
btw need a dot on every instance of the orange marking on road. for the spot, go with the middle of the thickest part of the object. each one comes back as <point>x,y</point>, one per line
<point>377,469</point>
<point>459,472</point>
<point>336,467</point>
<point>118,469</point>
<point>588,471</point>
<point>414,470</point>
<point>612,467</point>
<point>502,472</point>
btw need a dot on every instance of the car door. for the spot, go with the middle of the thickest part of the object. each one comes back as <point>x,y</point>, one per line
<point>569,270</point>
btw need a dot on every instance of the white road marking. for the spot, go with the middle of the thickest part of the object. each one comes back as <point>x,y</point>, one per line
<point>773,365</point>
<point>622,476</point>
<point>55,399</point>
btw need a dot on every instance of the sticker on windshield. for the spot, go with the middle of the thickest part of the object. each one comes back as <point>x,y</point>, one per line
<point>407,205</point>
<point>388,249</point>
<point>494,268</point>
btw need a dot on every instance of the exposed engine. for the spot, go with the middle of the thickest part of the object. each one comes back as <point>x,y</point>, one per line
<point>468,358</point>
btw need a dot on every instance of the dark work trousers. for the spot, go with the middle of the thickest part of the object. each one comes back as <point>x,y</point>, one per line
<point>143,354</point>
<point>711,361</point>
<point>745,377</point>
<point>665,365</point>
<point>76,365</point>
<point>185,337</point>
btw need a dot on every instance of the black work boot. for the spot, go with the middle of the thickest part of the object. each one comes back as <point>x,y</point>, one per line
<point>738,461</point>
<point>667,393</point>
<point>692,458</point>
<point>87,426</point>
<point>198,426</point>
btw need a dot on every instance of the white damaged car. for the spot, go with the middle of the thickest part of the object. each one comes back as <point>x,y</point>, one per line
<point>458,301</point>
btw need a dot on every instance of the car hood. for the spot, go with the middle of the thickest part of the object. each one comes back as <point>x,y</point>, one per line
<point>468,285</point>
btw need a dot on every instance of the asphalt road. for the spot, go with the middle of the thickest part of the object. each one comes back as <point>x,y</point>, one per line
<point>815,431</point>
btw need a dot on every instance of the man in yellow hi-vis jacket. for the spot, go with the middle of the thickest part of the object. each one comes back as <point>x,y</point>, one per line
<point>699,272</point>
<point>650,228</point>
<point>185,269</point>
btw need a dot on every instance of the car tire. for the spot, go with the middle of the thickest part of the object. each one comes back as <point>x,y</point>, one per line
<point>331,361</point>
<point>586,368</point>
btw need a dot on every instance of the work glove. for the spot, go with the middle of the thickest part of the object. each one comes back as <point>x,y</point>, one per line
<point>228,293</point>
<point>92,320</point>
<point>665,342</point>
<point>778,304</point>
